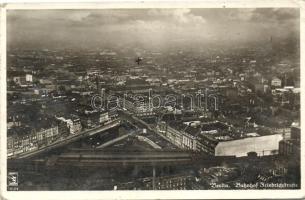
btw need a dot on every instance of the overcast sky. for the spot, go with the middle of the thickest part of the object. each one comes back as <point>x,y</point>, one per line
<point>159,27</point>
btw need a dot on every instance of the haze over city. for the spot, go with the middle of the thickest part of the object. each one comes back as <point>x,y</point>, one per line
<point>153,99</point>
<point>151,28</point>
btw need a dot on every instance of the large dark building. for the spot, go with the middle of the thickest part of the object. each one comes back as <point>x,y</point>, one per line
<point>291,146</point>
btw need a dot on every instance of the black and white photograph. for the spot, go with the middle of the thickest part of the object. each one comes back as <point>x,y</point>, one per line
<point>153,99</point>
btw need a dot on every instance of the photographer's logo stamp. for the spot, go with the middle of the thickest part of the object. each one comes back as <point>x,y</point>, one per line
<point>12,180</point>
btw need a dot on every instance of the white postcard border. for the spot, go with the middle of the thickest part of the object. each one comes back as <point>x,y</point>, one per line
<point>189,194</point>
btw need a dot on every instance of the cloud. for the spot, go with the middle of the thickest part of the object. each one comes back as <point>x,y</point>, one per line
<point>180,16</point>
<point>104,17</point>
<point>78,16</point>
<point>150,26</point>
<point>122,17</point>
<point>278,15</point>
<point>259,15</point>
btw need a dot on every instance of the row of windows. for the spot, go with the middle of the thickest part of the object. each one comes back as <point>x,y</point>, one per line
<point>33,141</point>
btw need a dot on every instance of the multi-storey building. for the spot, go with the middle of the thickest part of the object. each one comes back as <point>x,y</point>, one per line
<point>73,122</point>
<point>291,146</point>
<point>104,117</point>
<point>210,139</point>
<point>24,139</point>
<point>93,119</point>
<point>46,136</point>
<point>276,82</point>
<point>139,105</point>
<point>90,120</point>
<point>182,135</point>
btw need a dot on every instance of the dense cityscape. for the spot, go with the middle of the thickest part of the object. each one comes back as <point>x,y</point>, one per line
<point>136,118</point>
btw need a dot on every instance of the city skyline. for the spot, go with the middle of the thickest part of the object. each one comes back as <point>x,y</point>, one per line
<point>153,99</point>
